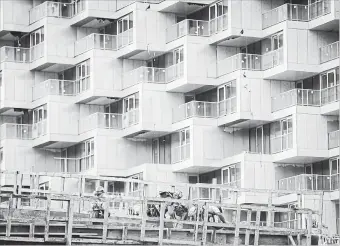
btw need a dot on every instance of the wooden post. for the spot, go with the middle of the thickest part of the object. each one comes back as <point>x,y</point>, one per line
<point>237,226</point>
<point>47,219</point>
<point>247,236</point>
<point>32,229</point>
<point>161,224</point>
<point>196,225</point>
<point>144,217</point>
<point>69,222</point>
<point>205,227</point>
<point>270,213</point>
<point>106,218</point>
<point>309,229</point>
<point>257,230</point>
<point>21,177</point>
<point>9,217</point>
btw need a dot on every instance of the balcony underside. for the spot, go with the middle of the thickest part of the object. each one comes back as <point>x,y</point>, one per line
<point>321,24</point>
<point>227,38</point>
<point>183,7</point>
<point>281,73</point>
<point>146,135</point>
<point>294,156</point>
<point>55,141</point>
<point>50,66</point>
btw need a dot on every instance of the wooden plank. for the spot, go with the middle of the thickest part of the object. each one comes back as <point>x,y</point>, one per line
<point>205,227</point>
<point>9,217</point>
<point>161,225</point>
<point>31,231</point>
<point>69,223</point>
<point>197,222</point>
<point>47,218</point>
<point>237,227</point>
<point>144,217</point>
<point>20,179</point>
<point>291,240</point>
<point>247,236</point>
<point>257,230</point>
<point>309,230</point>
<point>125,233</point>
<point>106,217</point>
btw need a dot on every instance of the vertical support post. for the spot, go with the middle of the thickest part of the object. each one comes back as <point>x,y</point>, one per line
<point>69,222</point>
<point>144,217</point>
<point>270,213</point>
<point>106,218</point>
<point>196,225</point>
<point>47,219</point>
<point>237,227</point>
<point>257,230</point>
<point>21,177</point>
<point>9,217</point>
<point>32,229</point>
<point>205,227</point>
<point>247,236</point>
<point>309,229</point>
<point>161,224</point>
<point>299,216</point>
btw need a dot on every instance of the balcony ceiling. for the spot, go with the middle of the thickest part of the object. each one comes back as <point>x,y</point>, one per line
<point>146,55</point>
<point>184,8</point>
<point>238,41</point>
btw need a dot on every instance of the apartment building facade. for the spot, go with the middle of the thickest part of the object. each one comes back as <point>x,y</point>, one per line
<point>234,92</point>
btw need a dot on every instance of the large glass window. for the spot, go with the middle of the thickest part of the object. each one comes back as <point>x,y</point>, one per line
<point>226,97</point>
<point>281,135</point>
<point>231,175</point>
<point>83,76</point>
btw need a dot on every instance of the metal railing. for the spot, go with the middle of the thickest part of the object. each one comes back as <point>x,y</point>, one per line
<point>302,97</point>
<point>39,129</point>
<point>56,9</point>
<point>333,139</point>
<point>144,75</point>
<point>227,106</point>
<point>195,109</point>
<point>124,38</point>
<point>100,120</point>
<point>281,143</point>
<point>329,52</point>
<point>16,131</point>
<point>15,54</point>
<point>330,94</point>
<point>295,12</point>
<point>218,24</point>
<point>272,59</point>
<point>187,27</point>
<point>313,182</point>
<point>54,87</point>
<point>180,153</point>
<point>95,41</point>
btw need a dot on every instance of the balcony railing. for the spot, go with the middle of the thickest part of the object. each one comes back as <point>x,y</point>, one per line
<point>295,12</point>
<point>56,9</point>
<point>100,120</point>
<point>74,165</point>
<point>174,72</point>
<point>39,129</point>
<point>272,59</point>
<point>329,52</point>
<point>195,109</point>
<point>180,153</point>
<point>227,106</point>
<point>218,24</point>
<point>131,118</point>
<point>54,87</point>
<point>187,27</point>
<point>21,55</point>
<point>313,182</point>
<point>144,75</point>
<point>330,95</point>
<point>302,97</point>
<point>16,131</point>
<point>281,143</point>
<point>125,38</point>
<point>333,139</point>
<point>96,41</point>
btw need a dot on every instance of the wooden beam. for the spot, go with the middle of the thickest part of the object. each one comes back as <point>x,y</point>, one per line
<point>9,217</point>
<point>237,227</point>
<point>106,217</point>
<point>257,230</point>
<point>309,229</point>
<point>161,224</point>
<point>32,229</point>
<point>291,240</point>
<point>48,214</point>
<point>69,222</point>
<point>144,217</point>
<point>205,227</point>
<point>247,236</point>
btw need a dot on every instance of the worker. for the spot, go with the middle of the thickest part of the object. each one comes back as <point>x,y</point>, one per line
<point>98,205</point>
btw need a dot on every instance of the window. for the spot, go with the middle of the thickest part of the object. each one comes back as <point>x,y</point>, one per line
<point>281,135</point>
<point>130,110</point>
<point>83,76</point>
<point>226,96</point>
<point>39,121</point>
<point>231,175</point>
<point>135,187</point>
<point>329,86</point>
<point>87,160</point>
<point>124,30</point>
<point>37,37</point>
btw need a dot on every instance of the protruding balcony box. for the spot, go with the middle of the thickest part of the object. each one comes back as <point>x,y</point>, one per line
<point>305,140</point>
<point>16,89</point>
<point>54,87</point>
<point>14,16</point>
<point>329,55</point>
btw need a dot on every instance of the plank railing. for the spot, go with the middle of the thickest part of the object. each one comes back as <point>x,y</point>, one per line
<point>122,228</point>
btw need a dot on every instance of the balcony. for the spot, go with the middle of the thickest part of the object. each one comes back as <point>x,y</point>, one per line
<point>281,143</point>
<point>250,62</point>
<point>333,139</point>
<point>329,52</point>
<point>195,109</point>
<point>180,153</point>
<point>188,27</point>
<point>312,182</point>
<point>74,165</point>
<point>54,87</point>
<point>56,9</point>
<point>330,95</point>
<point>23,131</point>
<point>109,121</point>
<point>153,75</point>
<point>295,12</point>
<point>301,97</point>
<point>21,55</point>
<point>103,42</point>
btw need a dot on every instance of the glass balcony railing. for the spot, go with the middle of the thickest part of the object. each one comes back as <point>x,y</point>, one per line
<point>131,118</point>
<point>96,41</point>
<point>100,120</point>
<point>144,75</point>
<point>312,182</point>
<point>227,106</point>
<point>74,165</point>
<point>21,55</point>
<point>281,143</point>
<point>330,95</point>
<point>187,27</point>
<point>56,9</point>
<point>39,129</point>
<point>153,75</point>
<point>329,52</point>
<point>16,131</point>
<point>195,109</point>
<point>295,12</point>
<point>125,38</point>
<point>180,153</point>
<point>54,87</point>
<point>301,97</point>
<point>244,61</point>
<point>333,139</point>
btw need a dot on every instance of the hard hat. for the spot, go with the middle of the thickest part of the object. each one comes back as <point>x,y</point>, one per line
<point>100,189</point>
